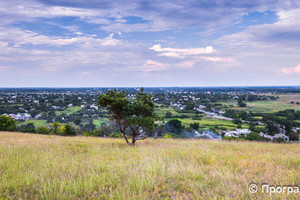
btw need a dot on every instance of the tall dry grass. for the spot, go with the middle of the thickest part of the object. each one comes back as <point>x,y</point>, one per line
<point>55,167</point>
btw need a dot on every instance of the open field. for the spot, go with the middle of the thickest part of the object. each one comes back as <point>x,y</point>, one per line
<point>270,106</point>
<point>206,123</point>
<point>55,167</point>
<point>98,122</point>
<point>69,110</point>
<point>34,121</point>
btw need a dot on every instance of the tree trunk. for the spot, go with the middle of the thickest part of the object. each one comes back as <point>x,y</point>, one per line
<point>126,139</point>
<point>133,139</point>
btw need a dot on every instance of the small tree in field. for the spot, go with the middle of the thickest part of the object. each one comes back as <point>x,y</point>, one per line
<point>132,116</point>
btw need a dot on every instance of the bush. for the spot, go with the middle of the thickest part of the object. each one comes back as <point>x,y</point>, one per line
<point>194,125</point>
<point>167,136</point>
<point>294,136</point>
<point>7,123</point>
<point>86,134</point>
<point>28,128</point>
<point>104,130</point>
<point>43,130</point>
<point>174,125</point>
<point>279,140</point>
<point>253,136</point>
<point>68,130</point>
<point>116,135</point>
<point>55,128</point>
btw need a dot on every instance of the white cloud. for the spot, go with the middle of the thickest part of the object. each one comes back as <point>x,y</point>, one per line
<point>291,70</point>
<point>181,53</point>
<point>110,41</point>
<point>19,37</point>
<point>151,65</point>
<point>285,33</point>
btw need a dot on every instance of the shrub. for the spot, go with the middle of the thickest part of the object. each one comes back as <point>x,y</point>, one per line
<point>68,129</point>
<point>294,136</point>
<point>279,140</point>
<point>253,136</point>
<point>167,136</point>
<point>43,130</point>
<point>86,134</point>
<point>116,135</point>
<point>55,128</point>
<point>7,123</point>
<point>28,128</point>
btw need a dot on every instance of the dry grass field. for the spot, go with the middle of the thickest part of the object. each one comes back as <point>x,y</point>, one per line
<point>56,167</point>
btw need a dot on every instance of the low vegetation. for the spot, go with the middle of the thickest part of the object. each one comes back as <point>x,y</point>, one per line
<point>36,166</point>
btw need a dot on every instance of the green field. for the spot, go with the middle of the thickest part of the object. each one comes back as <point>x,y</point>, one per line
<point>34,121</point>
<point>56,167</point>
<point>98,122</point>
<point>205,122</point>
<point>269,106</point>
<point>69,110</point>
<point>211,123</point>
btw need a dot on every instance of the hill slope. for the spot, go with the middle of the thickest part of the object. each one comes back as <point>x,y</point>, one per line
<point>55,167</point>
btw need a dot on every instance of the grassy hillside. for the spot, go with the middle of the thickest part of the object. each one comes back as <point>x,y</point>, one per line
<point>55,167</point>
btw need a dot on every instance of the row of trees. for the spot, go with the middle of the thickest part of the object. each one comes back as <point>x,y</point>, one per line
<point>7,123</point>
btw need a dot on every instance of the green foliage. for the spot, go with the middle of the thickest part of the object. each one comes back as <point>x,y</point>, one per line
<point>253,136</point>
<point>43,130</point>
<point>116,135</point>
<point>68,129</point>
<point>86,134</point>
<point>189,106</point>
<point>103,131</point>
<point>7,123</point>
<point>77,121</point>
<point>233,138</point>
<point>194,125</point>
<point>279,140</point>
<point>237,121</point>
<point>175,125</point>
<point>55,128</point>
<point>294,136</point>
<point>134,117</point>
<point>167,136</point>
<point>241,103</point>
<point>169,114</point>
<point>33,113</point>
<point>28,128</point>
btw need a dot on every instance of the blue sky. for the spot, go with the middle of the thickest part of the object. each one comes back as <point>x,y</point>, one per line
<point>91,43</point>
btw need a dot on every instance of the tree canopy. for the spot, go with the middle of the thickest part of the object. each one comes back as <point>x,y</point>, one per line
<point>134,116</point>
<point>7,123</point>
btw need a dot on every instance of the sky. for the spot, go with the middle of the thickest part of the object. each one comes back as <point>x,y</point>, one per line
<point>149,43</point>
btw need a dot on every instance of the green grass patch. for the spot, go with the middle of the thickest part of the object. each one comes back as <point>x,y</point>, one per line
<point>69,110</point>
<point>34,121</point>
<point>284,102</point>
<point>98,122</point>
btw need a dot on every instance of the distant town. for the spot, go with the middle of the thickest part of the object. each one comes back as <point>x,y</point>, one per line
<point>212,113</point>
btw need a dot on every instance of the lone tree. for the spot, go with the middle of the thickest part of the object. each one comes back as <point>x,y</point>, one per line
<point>134,117</point>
